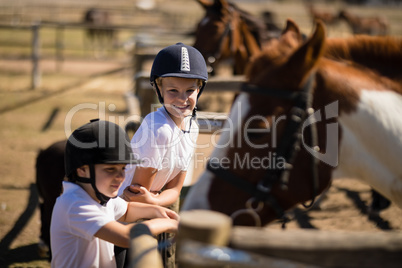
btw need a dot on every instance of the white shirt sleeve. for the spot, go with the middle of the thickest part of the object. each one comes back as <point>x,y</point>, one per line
<point>150,146</point>
<point>86,220</point>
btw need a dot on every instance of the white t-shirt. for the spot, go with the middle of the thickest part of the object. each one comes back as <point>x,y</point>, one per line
<point>160,144</point>
<point>75,220</point>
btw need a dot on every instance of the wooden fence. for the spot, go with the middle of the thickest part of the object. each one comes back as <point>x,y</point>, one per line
<point>59,40</point>
<point>261,247</point>
<point>207,239</point>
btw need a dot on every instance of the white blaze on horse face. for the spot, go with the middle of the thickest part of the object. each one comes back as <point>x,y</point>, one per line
<point>371,145</point>
<point>197,197</point>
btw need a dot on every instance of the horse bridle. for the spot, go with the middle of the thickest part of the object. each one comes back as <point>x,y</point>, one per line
<point>226,33</point>
<point>288,148</point>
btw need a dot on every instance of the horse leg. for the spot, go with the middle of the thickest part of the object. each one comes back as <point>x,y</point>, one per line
<point>49,177</point>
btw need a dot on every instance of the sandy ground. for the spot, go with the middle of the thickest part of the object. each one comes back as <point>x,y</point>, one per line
<point>23,133</point>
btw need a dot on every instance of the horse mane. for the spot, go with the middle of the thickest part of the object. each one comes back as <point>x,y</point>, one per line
<point>256,25</point>
<point>383,54</point>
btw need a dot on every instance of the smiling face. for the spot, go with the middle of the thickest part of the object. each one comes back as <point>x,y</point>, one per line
<point>179,96</point>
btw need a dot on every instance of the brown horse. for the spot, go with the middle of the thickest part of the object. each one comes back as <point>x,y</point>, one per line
<point>228,32</point>
<point>365,25</point>
<point>99,33</point>
<point>327,17</point>
<point>49,177</point>
<point>304,119</point>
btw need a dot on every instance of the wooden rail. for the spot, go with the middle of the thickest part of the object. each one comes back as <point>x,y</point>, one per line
<point>283,248</point>
<point>61,26</point>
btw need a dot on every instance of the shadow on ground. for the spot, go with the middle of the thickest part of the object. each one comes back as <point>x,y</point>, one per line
<point>304,220</point>
<point>25,253</point>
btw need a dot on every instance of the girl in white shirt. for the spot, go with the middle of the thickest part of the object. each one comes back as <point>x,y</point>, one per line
<point>167,137</point>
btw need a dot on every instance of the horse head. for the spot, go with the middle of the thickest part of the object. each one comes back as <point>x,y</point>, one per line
<point>226,32</point>
<point>263,163</point>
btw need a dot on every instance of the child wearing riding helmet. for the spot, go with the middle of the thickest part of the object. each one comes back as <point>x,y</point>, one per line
<point>166,139</point>
<point>87,218</point>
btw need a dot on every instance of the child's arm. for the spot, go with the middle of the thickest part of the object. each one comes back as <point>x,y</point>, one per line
<point>136,211</point>
<point>119,234</point>
<point>171,192</point>
<point>144,176</point>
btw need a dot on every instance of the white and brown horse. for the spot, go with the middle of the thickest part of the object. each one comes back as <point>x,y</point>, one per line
<point>310,111</point>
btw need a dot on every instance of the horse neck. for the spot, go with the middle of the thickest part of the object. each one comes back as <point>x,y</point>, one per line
<point>381,54</point>
<point>337,81</point>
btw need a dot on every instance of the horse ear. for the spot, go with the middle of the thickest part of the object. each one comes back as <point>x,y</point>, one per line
<point>291,26</point>
<point>293,30</point>
<point>306,56</point>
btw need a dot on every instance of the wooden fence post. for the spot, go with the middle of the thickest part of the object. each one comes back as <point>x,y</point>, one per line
<point>36,77</point>
<point>59,46</point>
<point>144,248</point>
<point>205,226</point>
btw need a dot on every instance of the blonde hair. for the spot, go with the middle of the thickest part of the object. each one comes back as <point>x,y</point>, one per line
<point>158,81</point>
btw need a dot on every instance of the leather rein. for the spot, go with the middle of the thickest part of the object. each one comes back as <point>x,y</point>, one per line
<point>287,149</point>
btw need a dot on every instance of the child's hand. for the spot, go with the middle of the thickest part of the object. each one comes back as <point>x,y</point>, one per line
<point>134,188</point>
<point>158,226</point>
<point>138,193</point>
<point>130,192</point>
<point>162,212</point>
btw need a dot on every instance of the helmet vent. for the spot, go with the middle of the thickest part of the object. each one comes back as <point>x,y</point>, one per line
<point>185,60</point>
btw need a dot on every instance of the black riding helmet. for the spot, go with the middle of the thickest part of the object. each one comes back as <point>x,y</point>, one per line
<point>97,142</point>
<point>179,60</point>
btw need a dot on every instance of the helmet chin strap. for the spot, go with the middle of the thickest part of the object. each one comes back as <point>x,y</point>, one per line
<point>158,92</point>
<point>102,198</point>
<point>193,116</point>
